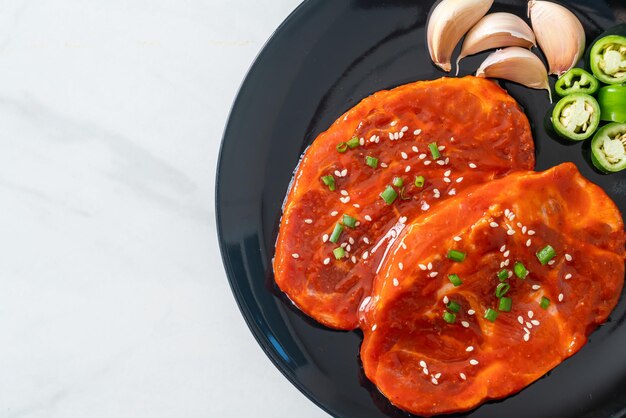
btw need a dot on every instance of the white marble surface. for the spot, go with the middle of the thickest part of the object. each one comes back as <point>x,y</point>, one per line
<point>113,299</point>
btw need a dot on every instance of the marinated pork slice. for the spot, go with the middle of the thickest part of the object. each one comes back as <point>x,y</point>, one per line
<point>393,157</point>
<point>492,290</point>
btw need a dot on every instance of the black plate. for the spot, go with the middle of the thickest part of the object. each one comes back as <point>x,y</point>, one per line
<point>324,59</point>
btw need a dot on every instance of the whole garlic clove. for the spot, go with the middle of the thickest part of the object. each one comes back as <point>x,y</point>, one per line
<point>496,30</point>
<point>448,22</point>
<point>559,33</point>
<point>518,65</point>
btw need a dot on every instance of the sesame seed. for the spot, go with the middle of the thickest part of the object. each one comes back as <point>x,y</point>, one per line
<point>447,180</point>
<point>568,257</point>
<point>404,129</point>
<point>529,325</point>
<point>308,221</point>
<point>438,375</point>
<point>535,322</point>
<point>357,223</point>
<point>344,199</point>
<point>356,205</point>
<point>447,160</point>
<point>446,300</point>
<point>528,242</point>
<point>494,224</point>
<point>351,240</point>
<point>510,232</point>
<point>374,327</point>
<point>338,173</point>
<point>524,229</point>
<point>365,255</point>
<point>334,213</point>
<point>433,274</point>
<point>400,266</point>
<point>506,262</point>
<point>536,287</point>
<point>422,267</point>
<point>407,169</point>
<point>447,173</point>
<point>568,276</point>
<point>519,224</point>
<point>395,282</point>
<point>396,135</point>
<point>422,156</point>
<point>503,248</point>
<point>510,274</point>
<point>417,132</point>
<point>348,248</point>
<point>469,348</point>
<point>457,239</point>
<point>295,255</point>
<point>439,162</point>
<point>427,162</point>
<point>512,216</point>
<point>394,123</point>
<point>526,330</point>
<point>430,266</point>
<point>526,337</point>
<point>425,371</point>
<point>343,244</point>
<point>531,232</point>
<point>403,245</point>
<point>344,172</point>
<point>344,193</point>
<point>324,237</point>
<point>551,262</point>
<point>425,206</point>
<point>506,253</point>
<point>560,297</point>
<point>368,218</point>
<point>390,136</point>
<point>471,312</point>
<point>520,319</point>
<point>326,260</point>
<point>402,220</point>
<point>473,362</point>
<point>452,192</point>
<point>423,364</point>
<point>372,138</point>
<point>361,141</point>
<point>531,314</point>
<point>400,135</point>
<point>465,324</point>
<point>434,381</point>
<point>460,179</point>
<point>501,264</point>
<point>472,165</point>
<point>441,147</point>
<point>462,375</point>
<point>415,149</point>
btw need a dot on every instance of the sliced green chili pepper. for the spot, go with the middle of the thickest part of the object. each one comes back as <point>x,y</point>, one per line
<point>612,100</point>
<point>576,116</point>
<point>608,59</point>
<point>608,148</point>
<point>576,80</point>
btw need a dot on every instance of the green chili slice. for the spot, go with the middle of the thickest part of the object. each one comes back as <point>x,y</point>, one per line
<point>608,59</point>
<point>608,148</point>
<point>576,116</point>
<point>576,80</point>
<point>612,100</point>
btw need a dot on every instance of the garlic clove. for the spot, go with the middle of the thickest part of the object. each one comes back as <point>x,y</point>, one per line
<point>448,22</point>
<point>559,33</point>
<point>518,65</point>
<point>496,30</point>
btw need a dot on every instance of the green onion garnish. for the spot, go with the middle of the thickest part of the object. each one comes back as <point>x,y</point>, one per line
<point>342,147</point>
<point>449,317</point>
<point>419,181</point>
<point>455,280</point>
<point>491,315</point>
<point>349,221</point>
<point>453,306</point>
<point>520,270</point>
<point>546,254</point>
<point>389,195</point>
<point>501,289</point>
<point>455,255</point>
<point>398,182</point>
<point>505,304</point>
<point>545,302</point>
<point>339,253</point>
<point>402,196</point>
<point>503,275</point>
<point>371,161</point>
<point>330,182</point>
<point>334,237</point>
<point>434,150</point>
<point>353,142</point>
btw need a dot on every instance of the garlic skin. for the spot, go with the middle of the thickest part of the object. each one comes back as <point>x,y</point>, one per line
<point>559,33</point>
<point>516,64</point>
<point>496,30</point>
<point>447,24</point>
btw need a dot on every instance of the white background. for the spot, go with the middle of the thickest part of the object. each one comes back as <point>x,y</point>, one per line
<point>113,298</point>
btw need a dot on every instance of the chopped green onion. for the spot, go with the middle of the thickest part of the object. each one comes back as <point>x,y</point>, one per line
<point>353,143</point>
<point>339,253</point>
<point>505,304</point>
<point>330,182</point>
<point>334,237</point>
<point>371,161</point>
<point>389,195</point>
<point>545,302</point>
<point>398,182</point>
<point>455,255</point>
<point>455,280</point>
<point>342,147</point>
<point>419,181</point>
<point>501,289</point>
<point>453,306</point>
<point>520,270</point>
<point>503,275</point>
<point>449,317</point>
<point>349,221</point>
<point>491,315</point>
<point>434,150</point>
<point>546,254</point>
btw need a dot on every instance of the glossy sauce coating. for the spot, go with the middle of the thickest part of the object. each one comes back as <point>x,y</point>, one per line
<point>481,134</point>
<point>428,366</point>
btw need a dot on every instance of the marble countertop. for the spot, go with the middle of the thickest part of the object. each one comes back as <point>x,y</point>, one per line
<point>113,298</point>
